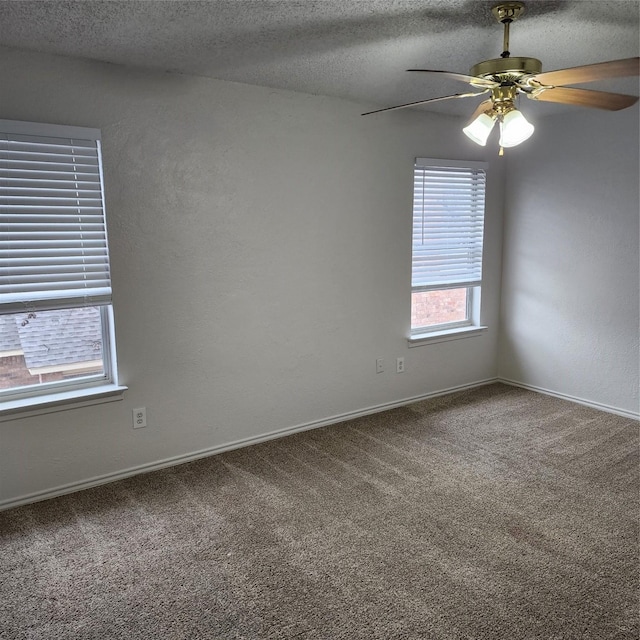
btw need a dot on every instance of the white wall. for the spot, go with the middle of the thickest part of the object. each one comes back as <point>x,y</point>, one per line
<point>260,245</point>
<point>570,284</point>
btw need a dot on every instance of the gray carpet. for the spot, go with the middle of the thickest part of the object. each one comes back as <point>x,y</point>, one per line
<point>492,513</point>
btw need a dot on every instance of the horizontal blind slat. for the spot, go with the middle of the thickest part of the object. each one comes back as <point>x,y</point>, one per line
<point>12,192</point>
<point>34,173</point>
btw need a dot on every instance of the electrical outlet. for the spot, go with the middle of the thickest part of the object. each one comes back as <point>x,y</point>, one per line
<point>400,365</point>
<point>379,365</point>
<point>139,417</point>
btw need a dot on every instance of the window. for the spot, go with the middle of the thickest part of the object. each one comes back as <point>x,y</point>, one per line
<point>56,328</point>
<point>448,225</point>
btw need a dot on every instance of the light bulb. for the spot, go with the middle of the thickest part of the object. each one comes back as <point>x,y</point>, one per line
<point>514,129</point>
<point>480,128</point>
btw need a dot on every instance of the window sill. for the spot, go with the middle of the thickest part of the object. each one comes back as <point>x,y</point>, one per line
<point>37,405</point>
<point>445,335</point>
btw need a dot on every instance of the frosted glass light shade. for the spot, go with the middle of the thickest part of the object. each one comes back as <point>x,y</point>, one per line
<point>480,129</point>
<point>514,129</point>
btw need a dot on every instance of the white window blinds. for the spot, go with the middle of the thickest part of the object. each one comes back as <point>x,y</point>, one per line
<point>53,239</point>
<point>448,224</point>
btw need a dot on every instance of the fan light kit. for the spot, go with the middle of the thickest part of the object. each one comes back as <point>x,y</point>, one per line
<point>506,78</point>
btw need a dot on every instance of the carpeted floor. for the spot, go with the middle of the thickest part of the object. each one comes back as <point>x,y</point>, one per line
<point>496,513</point>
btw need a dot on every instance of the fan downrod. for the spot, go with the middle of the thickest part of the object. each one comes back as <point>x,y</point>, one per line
<point>505,14</point>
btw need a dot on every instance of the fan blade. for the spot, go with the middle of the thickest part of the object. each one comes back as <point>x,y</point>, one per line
<point>479,82</point>
<point>481,108</point>
<point>419,102</point>
<point>585,98</point>
<point>591,72</point>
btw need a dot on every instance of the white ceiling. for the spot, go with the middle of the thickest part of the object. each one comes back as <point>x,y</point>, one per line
<point>354,49</point>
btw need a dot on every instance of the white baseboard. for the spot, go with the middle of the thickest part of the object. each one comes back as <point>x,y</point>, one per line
<point>564,396</point>
<point>72,487</point>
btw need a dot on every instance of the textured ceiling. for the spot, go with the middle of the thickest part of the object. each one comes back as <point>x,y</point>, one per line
<point>354,49</point>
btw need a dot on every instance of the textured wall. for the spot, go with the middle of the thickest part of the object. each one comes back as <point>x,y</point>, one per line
<point>260,246</point>
<point>570,284</point>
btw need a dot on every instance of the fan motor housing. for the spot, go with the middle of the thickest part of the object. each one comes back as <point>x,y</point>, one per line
<point>514,67</point>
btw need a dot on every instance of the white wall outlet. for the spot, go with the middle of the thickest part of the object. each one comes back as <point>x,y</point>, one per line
<point>140,417</point>
<point>379,365</point>
<point>400,365</point>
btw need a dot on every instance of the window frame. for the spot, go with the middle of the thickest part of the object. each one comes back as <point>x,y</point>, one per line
<point>471,325</point>
<point>85,389</point>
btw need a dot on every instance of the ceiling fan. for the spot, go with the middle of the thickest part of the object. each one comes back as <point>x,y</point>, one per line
<point>506,78</point>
